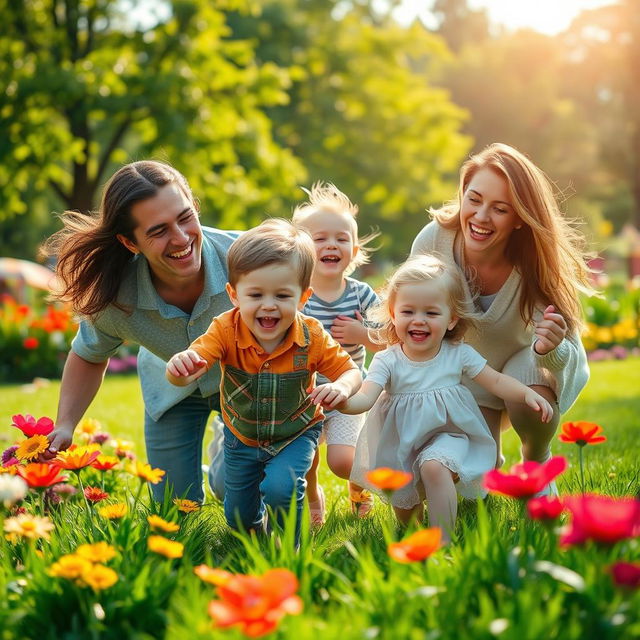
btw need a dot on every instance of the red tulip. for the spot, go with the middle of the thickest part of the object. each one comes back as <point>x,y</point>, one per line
<point>626,574</point>
<point>601,518</point>
<point>32,427</point>
<point>581,433</point>
<point>545,508</point>
<point>526,479</point>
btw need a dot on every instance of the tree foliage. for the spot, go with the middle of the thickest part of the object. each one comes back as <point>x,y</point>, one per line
<point>86,90</point>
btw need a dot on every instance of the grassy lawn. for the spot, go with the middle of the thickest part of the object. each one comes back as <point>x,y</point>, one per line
<point>505,577</point>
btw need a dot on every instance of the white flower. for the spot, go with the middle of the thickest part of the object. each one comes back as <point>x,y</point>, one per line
<point>12,489</point>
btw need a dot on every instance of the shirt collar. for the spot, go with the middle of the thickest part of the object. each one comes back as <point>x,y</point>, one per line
<point>246,339</point>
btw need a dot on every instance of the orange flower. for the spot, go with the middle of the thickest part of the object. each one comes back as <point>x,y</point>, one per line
<point>145,472</point>
<point>186,506</point>
<point>216,577</point>
<point>93,494</point>
<point>417,546</point>
<point>105,463</point>
<point>40,474</point>
<point>99,577</point>
<point>113,511</point>
<point>256,604</point>
<point>32,447</point>
<point>159,524</point>
<point>70,567</point>
<point>582,433</point>
<point>77,458</point>
<point>389,479</point>
<point>165,547</point>
<point>96,552</point>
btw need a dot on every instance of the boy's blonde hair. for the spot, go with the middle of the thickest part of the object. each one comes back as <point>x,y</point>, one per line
<point>325,196</point>
<point>547,251</point>
<point>415,270</point>
<point>275,241</point>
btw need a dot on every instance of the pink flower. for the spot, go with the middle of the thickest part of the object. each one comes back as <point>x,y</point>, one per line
<point>626,574</point>
<point>8,455</point>
<point>601,518</point>
<point>526,479</point>
<point>32,427</point>
<point>545,508</point>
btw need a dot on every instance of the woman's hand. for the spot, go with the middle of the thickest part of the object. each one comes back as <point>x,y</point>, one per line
<point>550,331</point>
<point>60,439</point>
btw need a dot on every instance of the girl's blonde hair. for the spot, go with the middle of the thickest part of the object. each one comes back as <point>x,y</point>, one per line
<point>325,196</point>
<point>418,269</point>
<point>547,250</point>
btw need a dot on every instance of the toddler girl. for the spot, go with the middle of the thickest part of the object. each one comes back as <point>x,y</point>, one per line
<point>339,303</point>
<point>423,419</point>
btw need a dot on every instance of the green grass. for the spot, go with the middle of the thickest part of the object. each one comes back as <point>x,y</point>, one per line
<point>505,577</point>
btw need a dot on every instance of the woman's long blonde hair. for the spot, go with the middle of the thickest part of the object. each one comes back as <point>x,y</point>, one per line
<point>547,251</point>
<point>415,270</point>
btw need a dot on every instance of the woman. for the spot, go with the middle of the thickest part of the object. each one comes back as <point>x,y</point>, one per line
<point>142,269</point>
<point>524,267</point>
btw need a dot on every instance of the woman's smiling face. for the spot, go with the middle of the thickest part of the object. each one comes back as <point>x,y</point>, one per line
<point>487,216</point>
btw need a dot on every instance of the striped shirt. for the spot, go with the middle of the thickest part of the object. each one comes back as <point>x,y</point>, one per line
<point>357,296</point>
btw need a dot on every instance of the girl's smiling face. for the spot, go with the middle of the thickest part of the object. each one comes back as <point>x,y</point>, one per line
<point>421,316</point>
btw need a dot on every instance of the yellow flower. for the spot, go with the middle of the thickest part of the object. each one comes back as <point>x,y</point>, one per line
<point>166,548</point>
<point>145,472</point>
<point>88,426</point>
<point>186,506</point>
<point>71,567</point>
<point>98,552</point>
<point>99,577</point>
<point>27,526</point>
<point>157,523</point>
<point>122,445</point>
<point>216,577</point>
<point>113,511</point>
<point>32,447</point>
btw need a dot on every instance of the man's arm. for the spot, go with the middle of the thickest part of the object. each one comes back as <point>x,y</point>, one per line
<point>80,383</point>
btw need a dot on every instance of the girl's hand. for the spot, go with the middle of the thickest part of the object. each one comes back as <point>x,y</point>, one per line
<point>550,331</point>
<point>538,403</point>
<point>329,395</point>
<point>186,363</point>
<point>347,330</point>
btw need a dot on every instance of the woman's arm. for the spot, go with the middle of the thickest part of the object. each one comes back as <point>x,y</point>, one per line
<point>512,390</point>
<point>363,400</point>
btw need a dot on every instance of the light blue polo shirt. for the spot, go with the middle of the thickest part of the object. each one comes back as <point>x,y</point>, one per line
<point>159,328</point>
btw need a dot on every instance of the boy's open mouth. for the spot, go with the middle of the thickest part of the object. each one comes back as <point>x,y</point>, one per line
<point>268,322</point>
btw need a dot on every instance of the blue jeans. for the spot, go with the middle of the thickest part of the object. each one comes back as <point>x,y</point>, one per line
<point>254,479</point>
<point>174,443</point>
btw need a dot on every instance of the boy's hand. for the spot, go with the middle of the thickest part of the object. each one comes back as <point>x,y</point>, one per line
<point>538,403</point>
<point>186,363</point>
<point>329,395</point>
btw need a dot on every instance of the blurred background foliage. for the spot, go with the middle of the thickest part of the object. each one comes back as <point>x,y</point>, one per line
<point>251,99</point>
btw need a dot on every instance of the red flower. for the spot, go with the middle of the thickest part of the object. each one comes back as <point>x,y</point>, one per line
<point>32,427</point>
<point>40,474</point>
<point>581,433</point>
<point>626,574</point>
<point>418,546</point>
<point>601,518</point>
<point>30,343</point>
<point>525,479</point>
<point>256,604</point>
<point>389,479</point>
<point>94,494</point>
<point>545,508</point>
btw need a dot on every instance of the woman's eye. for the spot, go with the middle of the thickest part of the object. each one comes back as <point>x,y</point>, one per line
<point>499,210</point>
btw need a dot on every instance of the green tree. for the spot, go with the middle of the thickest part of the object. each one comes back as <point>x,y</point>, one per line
<point>362,111</point>
<point>85,90</point>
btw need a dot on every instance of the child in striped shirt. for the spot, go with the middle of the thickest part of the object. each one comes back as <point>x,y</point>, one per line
<point>339,303</point>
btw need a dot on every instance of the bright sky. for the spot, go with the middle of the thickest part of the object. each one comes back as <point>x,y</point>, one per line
<point>546,16</point>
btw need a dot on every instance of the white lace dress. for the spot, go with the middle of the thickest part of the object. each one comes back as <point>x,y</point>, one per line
<point>425,413</point>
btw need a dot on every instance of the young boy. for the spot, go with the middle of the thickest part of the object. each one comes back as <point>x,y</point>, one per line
<point>269,353</point>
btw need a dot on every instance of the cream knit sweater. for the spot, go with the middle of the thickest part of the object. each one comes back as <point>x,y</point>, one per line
<point>501,332</point>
